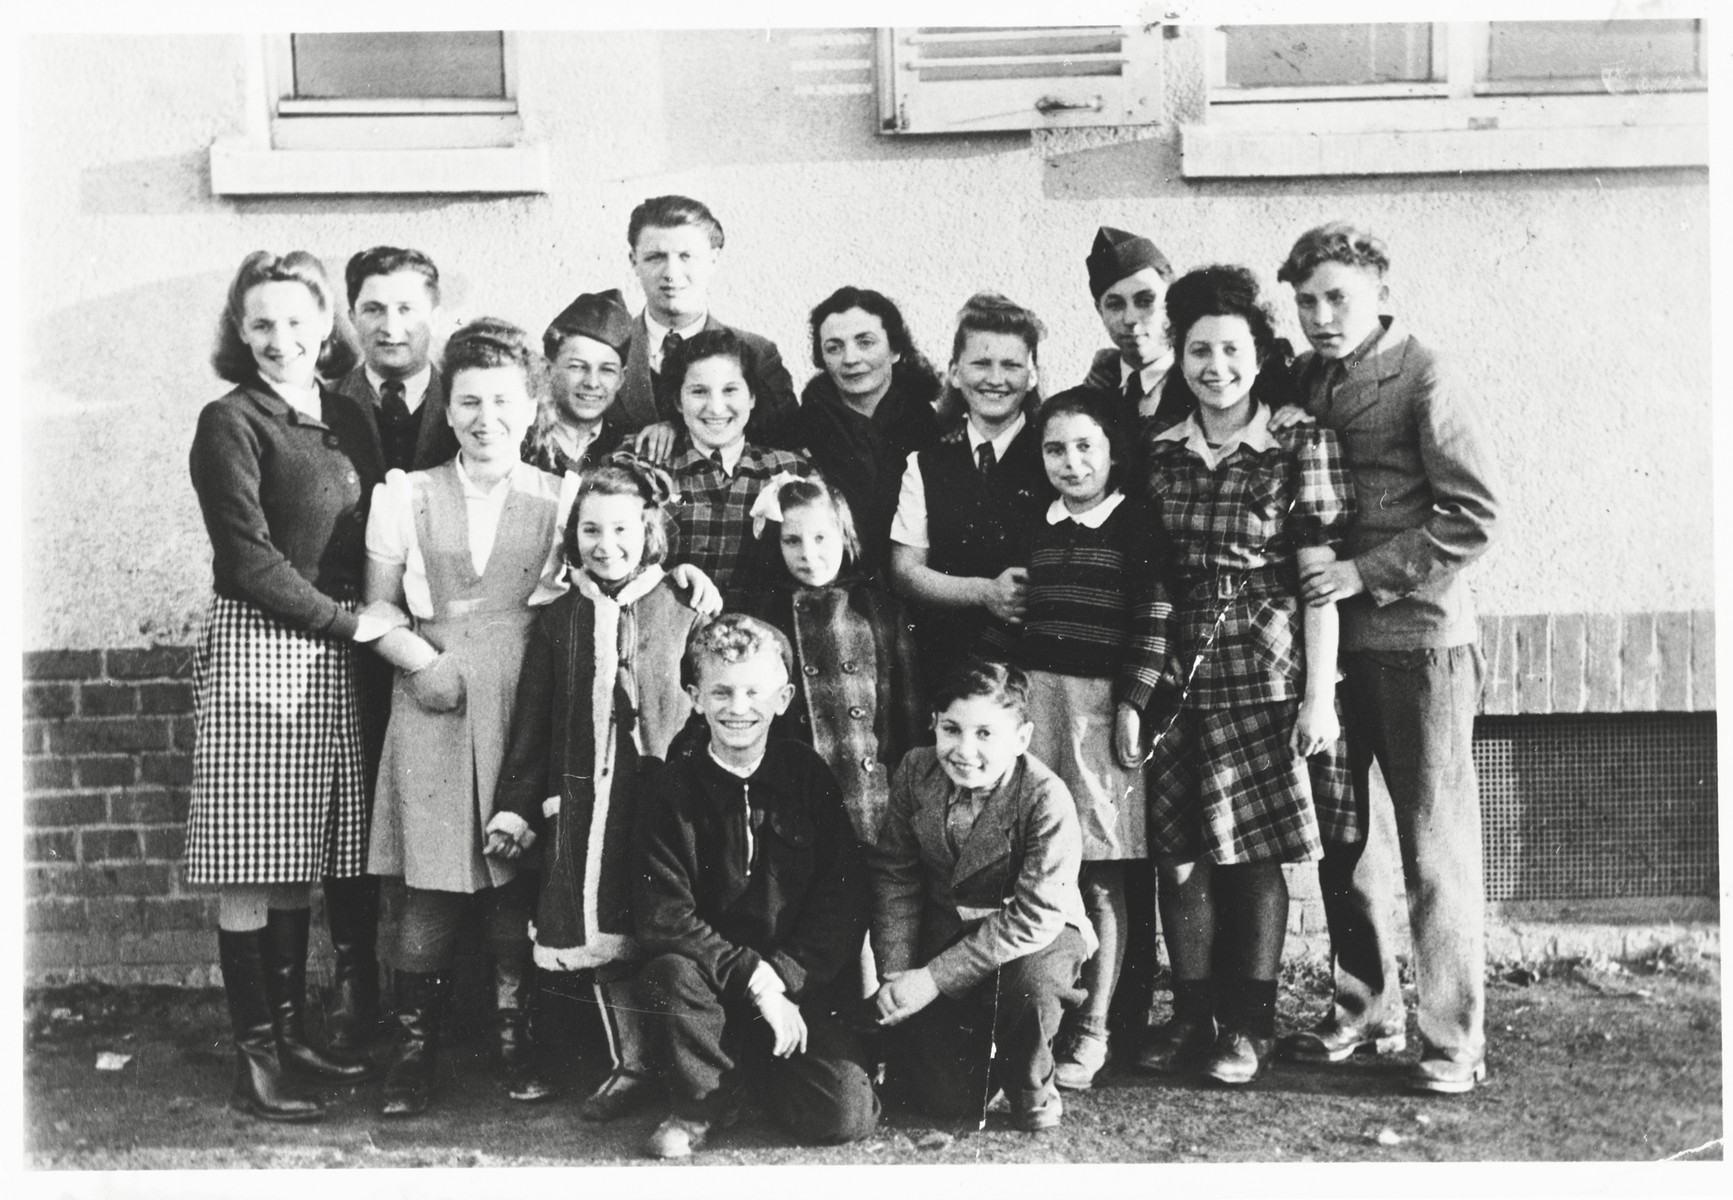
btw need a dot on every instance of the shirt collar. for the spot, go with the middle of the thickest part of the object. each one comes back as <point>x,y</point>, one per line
<point>1000,443</point>
<point>1095,518</point>
<point>1152,372</point>
<point>737,772</point>
<point>1255,436</point>
<point>414,388</point>
<point>659,332</point>
<point>304,400</point>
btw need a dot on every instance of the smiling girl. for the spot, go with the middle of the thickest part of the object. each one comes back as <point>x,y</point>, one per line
<point>1252,773</point>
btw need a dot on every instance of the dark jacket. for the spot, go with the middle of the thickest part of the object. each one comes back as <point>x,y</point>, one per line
<point>435,442</point>
<point>285,502</point>
<point>800,902</point>
<point>771,423</point>
<point>550,456</point>
<point>864,457</point>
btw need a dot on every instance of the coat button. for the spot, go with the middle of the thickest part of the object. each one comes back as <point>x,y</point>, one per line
<point>810,669</point>
<point>849,667</point>
<point>867,765</point>
<point>331,440</point>
<point>856,711</point>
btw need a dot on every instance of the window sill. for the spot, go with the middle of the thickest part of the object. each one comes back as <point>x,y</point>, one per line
<point>240,167</point>
<point>1422,136</point>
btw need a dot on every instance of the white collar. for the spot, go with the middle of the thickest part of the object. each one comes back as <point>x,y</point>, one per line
<point>304,400</point>
<point>414,388</point>
<point>738,772</point>
<point>1255,435</point>
<point>473,490</point>
<point>659,332</point>
<point>1095,518</point>
<point>731,455</point>
<point>1001,443</point>
<point>1151,372</point>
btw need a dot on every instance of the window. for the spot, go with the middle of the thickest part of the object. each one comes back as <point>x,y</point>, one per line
<point>1457,96</point>
<point>957,80</point>
<point>382,112</point>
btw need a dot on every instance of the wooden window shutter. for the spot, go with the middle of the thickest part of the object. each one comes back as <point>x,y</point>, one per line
<point>957,80</point>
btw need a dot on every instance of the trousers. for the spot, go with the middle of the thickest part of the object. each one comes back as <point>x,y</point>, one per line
<point>1412,712</point>
<point>433,921</point>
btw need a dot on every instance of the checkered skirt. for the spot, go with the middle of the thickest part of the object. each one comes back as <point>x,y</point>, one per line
<point>278,790</point>
<point>1224,787</point>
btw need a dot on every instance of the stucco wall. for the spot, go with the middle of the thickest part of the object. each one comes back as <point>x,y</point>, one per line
<point>1575,304</point>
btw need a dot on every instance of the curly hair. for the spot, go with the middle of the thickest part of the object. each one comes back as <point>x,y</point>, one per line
<point>1003,684</point>
<point>491,342</point>
<point>232,358</point>
<point>1230,291</point>
<point>623,473</point>
<point>911,366</point>
<point>735,637</point>
<point>1338,241</point>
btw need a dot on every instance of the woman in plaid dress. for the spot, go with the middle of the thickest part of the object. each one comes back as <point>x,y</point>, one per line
<point>283,469</point>
<point>1252,773</point>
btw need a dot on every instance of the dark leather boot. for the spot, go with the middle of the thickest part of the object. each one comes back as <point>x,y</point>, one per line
<point>261,1088</point>
<point>286,984</point>
<point>352,1018</point>
<point>520,1069</point>
<point>410,1080</point>
<point>630,1085</point>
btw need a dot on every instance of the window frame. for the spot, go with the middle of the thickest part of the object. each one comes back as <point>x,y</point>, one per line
<point>1460,122</point>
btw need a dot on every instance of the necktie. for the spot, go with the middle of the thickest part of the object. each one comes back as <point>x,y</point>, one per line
<point>1134,388</point>
<point>984,459</point>
<point>396,427</point>
<point>670,344</point>
<point>716,457</point>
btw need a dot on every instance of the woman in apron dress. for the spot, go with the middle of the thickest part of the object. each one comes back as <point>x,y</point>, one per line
<point>283,469</point>
<point>470,548</point>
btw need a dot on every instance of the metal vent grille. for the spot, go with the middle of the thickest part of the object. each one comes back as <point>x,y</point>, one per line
<point>1598,807</point>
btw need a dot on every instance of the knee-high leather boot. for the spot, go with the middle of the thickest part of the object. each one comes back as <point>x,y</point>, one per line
<point>261,1087</point>
<point>352,911</point>
<point>514,999</point>
<point>409,1082</point>
<point>286,984</point>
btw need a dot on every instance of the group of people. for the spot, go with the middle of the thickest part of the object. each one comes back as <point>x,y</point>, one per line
<point>847,745</point>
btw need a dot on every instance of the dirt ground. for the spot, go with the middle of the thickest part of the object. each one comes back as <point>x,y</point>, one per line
<point>1587,1060</point>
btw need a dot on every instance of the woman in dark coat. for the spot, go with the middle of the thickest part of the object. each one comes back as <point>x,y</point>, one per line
<point>867,411</point>
<point>283,468</point>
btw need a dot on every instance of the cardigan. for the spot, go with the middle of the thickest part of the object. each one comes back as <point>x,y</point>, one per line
<point>735,872</point>
<point>1008,891</point>
<point>641,402</point>
<point>285,501</point>
<point>435,442</point>
<point>1426,479</point>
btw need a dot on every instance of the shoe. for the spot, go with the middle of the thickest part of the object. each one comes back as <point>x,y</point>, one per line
<point>1239,1057</point>
<point>1045,1114</point>
<point>1448,1076</point>
<point>1080,1061</point>
<point>677,1137</point>
<point>410,1081</point>
<point>352,1016</point>
<point>621,1092</point>
<point>286,984</point>
<point>262,1088</point>
<point>1331,1042</point>
<point>519,1065</point>
<point>1182,1044</point>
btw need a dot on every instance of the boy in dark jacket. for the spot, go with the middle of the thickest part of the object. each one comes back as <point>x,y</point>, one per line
<point>752,901</point>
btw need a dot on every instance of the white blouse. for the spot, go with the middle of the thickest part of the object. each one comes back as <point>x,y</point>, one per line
<point>391,536</point>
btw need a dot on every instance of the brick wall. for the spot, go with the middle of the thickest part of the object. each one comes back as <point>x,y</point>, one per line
<point>108,736</point>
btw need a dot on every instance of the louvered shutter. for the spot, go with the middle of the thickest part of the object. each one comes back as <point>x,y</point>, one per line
<point>957,80</point>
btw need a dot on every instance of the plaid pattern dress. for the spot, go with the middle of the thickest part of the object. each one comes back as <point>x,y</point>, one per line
<point>713,516</point>
<point>279,792</point>
<point>1223,784</point>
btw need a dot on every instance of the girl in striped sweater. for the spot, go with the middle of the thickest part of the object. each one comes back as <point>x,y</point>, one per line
<point>1094,646</point>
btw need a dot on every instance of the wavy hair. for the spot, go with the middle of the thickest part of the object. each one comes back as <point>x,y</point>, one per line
<point>911,370</point>
<point>1229,291</point>
<point>232,358</point>
<point>989,312</point>
<point>491,342</point>
<point>625,474</point>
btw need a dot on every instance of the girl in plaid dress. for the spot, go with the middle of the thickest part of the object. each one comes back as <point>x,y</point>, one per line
<point>1252,773</point>
<point>283,469</point>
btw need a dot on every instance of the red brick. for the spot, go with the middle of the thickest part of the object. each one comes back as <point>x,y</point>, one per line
<point>51,845</point>
<point>66,808</point>
<point>156,662</point>
<point>108,700</point>
<point>165,843</point>
<point>170,698</point>
<point>63,664</point>
<point>165,768</point>
<point>1568,650</point>
<point>141,806</point>
<point>107,845</point>
<point>53,914</point>
<point>1533,664</point>
<point>47,774</point>
<point>1703,661</point>
<point>118,879</point>
<point>112,735</point>
<point>1601,668</point>
<point>121,914</point>
<point>110,770</point>
<point>49,699</point>
<point>179,913</point>
<point>1638,664</point>
<point>1673,674</point>
<point>35,737</point>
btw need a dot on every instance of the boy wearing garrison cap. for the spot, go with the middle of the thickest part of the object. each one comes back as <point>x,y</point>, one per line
<point>1128,278</point>
<point>586,346</point>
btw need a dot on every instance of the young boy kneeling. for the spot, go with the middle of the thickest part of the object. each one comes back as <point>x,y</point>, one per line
<point>978,924</point>
<point>752,901</point>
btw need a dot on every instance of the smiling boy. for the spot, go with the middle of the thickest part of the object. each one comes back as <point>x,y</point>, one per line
<point>978,926</point>
<point>1128,280</point>
<point>752,901</point>
<point>1410,656</point>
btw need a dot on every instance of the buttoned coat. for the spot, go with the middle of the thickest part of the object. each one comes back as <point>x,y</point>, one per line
<point>774,404</point>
